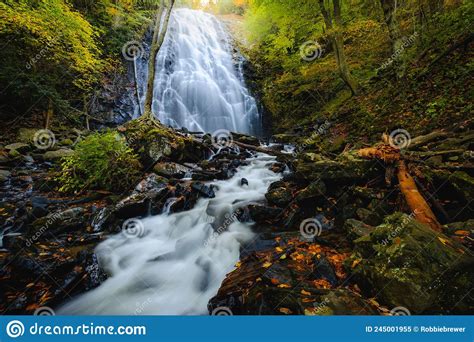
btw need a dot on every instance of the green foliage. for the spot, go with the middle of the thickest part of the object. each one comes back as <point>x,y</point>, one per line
<point>297,91</point>
<point>59,49</point>
<point>102,161</point>
<point>50,51</point>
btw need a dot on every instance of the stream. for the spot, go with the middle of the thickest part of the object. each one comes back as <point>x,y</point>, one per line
<point>178,261</point>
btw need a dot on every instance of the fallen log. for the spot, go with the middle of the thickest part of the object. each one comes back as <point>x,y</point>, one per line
<point>418,205</point>
<point>416,202</point>
<point>260,149</point>
<point>424,139</point>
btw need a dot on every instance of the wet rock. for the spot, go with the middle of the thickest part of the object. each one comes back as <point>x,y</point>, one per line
<point>369,217</point>
<point>315,189</point>
<point>323,270</point>
<point>151,182</point>
<point>205,190</point>
<point>244,181</point>
<point>20,147</point>
<point>278,167</point>
<point>59,222</point>
<point>4,175</point>
<point>405,263</point>
<point>201,175</point>
<point>356,229</point>
<point>279,193</point>
<point>171,170</point>
<point>39,206</point>
<point>58,154</point>
<point>262,213</point>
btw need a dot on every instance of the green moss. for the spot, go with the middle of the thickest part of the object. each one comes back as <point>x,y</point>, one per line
<point>102,161</point>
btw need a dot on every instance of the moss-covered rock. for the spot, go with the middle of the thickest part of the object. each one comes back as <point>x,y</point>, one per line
<point>345,169</point>
<point>405,263</point>
<point>153,143</point>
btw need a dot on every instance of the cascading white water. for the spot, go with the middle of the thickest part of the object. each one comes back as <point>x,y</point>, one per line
<point>179,261</point>
<point>198,85</point>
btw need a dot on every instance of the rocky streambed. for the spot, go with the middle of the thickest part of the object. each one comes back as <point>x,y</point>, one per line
<point>330,236</point>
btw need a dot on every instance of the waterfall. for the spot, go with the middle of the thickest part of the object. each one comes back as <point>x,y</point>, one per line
<point>199,85</point>
<point>179,260</point>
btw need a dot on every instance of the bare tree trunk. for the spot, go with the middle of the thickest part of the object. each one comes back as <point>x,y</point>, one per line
<point>49,114</point>
<point>337,41</point>
<point>389,13</point>
<point>158,38</point>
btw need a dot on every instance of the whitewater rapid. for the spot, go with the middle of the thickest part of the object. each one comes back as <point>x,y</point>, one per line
<point>199,83</point>
<point>179,261</point>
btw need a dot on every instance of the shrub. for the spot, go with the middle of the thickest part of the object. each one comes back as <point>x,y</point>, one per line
<point>102,161</point>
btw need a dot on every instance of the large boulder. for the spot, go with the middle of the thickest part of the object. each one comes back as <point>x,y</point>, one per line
<point>154,143</point>
<point>279,194</point>
<point>405,263</point>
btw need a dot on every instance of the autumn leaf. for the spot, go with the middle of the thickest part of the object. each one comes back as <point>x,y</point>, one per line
<point>286,311</point>
<point>284,286</point>
<point>266,264</point>
<point>305,293</point>
<point>274,281</point>
<point>355,262</point>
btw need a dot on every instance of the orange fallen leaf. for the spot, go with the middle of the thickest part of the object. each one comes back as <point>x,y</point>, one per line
<point>306,293</point>
<point>286,311</point>
<point>355,262</point>
<point>274,281</point>
<point>284,286</point>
